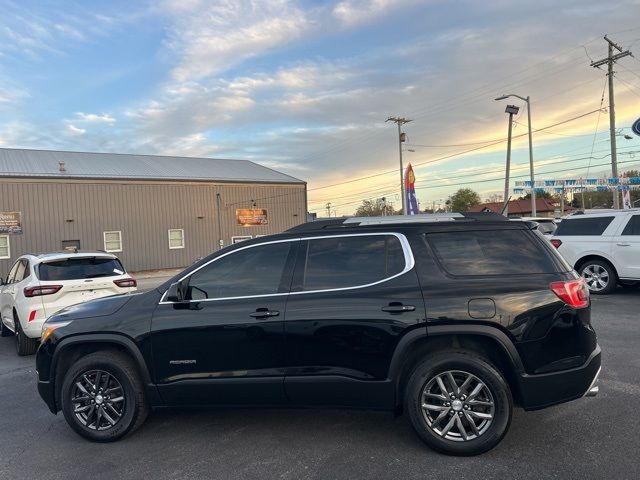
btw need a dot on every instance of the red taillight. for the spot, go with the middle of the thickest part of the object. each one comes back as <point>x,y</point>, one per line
<point>42,290</point>
<point>555,242</point>
<point>574,293</point>
<point>126,282</point>
<point>32,316</point>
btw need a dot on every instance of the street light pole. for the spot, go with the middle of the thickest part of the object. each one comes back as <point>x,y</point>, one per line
<point>401,121</point>
<point>534,211</point>
<point>511,110</point>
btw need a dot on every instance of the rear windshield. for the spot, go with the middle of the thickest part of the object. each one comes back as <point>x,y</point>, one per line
<point>504,252</point>
<point>547,227</point>
<point>583,226</point>
<point>80,268</point>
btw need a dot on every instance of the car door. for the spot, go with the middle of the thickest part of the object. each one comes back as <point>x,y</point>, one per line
<point>352,298</point>
<point>222,342</point>
<point>7,294</point>
<point>626,249</point>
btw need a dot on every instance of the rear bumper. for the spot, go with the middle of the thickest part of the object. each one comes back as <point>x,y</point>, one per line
<point>541,391</point>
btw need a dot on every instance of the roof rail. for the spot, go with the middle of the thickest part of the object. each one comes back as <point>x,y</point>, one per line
<point>397,220</point>
<point>422,218</point>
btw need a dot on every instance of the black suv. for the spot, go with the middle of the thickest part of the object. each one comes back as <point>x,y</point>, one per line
<point>452,319</point>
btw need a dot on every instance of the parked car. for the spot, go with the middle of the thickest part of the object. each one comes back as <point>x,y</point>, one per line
<point>452,319</point>
<point>546,225</point>
<point>39,286</point>
<point>603,246</point>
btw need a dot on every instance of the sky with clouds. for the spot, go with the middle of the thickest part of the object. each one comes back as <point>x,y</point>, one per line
<point>305,86</point>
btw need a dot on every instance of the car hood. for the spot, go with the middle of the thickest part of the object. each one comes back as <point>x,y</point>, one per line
<point>100,307</point>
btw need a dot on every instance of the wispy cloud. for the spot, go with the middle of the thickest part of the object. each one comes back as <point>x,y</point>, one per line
<point>210,38</point>
<point>95,118</point>
<point>73,130</point>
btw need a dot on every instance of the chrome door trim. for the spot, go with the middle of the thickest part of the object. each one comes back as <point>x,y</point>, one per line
<point>409,263</point>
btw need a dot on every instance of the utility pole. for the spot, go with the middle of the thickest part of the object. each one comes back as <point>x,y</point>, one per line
<point>328,207</point>
<point>609,61</point>
<point>511,110</point>
<point>401,138</point>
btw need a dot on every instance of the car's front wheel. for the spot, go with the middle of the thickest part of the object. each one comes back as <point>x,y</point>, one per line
<point>102,397</point>
<point>458,403</point>
<point>4,330</point>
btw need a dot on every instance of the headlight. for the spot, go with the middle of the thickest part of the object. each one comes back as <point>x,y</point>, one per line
<point>49,328</point>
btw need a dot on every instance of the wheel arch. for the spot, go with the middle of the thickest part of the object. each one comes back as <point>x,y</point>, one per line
<point>594,256</point>
<point>71,349</point>
<point>485,340</point>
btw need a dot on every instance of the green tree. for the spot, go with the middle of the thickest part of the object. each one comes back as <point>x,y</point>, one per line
<point>376,208</point>
<point>463,200</point>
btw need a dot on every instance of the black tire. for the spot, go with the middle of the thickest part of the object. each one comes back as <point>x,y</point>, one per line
<point>24,345</point>
<point>601,268</point>
<point>4,330</point>
<point>461,363</point>
<point>134,406</point>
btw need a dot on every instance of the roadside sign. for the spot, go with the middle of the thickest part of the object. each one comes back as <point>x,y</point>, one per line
<point>636,127</point>
<point>10,222</point>
<point>249,217</point>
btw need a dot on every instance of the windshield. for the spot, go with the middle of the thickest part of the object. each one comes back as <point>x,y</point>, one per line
<point>80,268</point>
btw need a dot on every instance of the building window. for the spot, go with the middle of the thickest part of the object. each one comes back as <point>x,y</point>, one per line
<point>113,241</point>
<point>240,238</point>
<point>176,238</point>
<point>5,251</point>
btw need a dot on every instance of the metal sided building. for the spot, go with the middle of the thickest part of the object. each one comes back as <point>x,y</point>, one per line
<point>152,211</point>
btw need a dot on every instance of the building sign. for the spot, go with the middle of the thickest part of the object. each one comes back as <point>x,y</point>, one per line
<point>10,222</point>
<point>250,217</point>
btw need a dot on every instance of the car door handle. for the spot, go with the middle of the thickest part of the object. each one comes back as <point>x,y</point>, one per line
<point>264,313</point>
<point>623,244</point>
<point>396,307</point>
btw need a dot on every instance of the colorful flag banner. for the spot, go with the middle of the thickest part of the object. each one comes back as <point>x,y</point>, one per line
<point>626,197</point>
<point>410,191</point>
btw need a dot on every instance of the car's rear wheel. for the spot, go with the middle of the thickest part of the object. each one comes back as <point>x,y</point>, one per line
<point>103,397</point>
<point>24,345</point>
<point>600,276</point>
<point>458,403</point>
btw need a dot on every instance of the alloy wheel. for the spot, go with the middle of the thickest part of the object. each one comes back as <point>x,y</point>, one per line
<point>596,276</point>
<point>98,400</point>
<point>457,405</point>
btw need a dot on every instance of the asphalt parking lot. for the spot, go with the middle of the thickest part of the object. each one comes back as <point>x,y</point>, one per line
<point>588,438</point>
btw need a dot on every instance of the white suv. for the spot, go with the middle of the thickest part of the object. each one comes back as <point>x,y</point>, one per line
<point>603,247</point>
<point>40,285</point>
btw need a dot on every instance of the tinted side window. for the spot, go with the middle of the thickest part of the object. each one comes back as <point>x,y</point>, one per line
<point>504,252</point>
<point>79,268</point>
<point>252,271</point>
<point>583,226</point>
<point>351,261</point>
<point>633,227</point>
<point>12,273</point>
<point>20,272</point>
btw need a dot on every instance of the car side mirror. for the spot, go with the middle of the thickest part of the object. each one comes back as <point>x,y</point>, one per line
<point>175,293</point>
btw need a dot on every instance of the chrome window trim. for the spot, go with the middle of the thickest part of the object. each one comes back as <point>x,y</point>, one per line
<point>409,263</point>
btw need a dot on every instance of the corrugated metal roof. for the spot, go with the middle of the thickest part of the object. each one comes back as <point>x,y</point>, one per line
<point>46,163</point>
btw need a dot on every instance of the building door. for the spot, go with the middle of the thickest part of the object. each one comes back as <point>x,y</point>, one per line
<point>223,344</point>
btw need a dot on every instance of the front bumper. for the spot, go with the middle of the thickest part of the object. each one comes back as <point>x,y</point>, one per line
<point>544,390</point>
<point>46,391</point>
